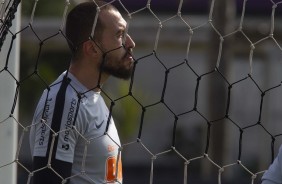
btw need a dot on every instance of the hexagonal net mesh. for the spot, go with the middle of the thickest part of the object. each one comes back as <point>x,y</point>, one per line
<point>202,105</point>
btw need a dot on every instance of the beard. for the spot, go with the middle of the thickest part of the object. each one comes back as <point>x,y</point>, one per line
<point>116,66</point>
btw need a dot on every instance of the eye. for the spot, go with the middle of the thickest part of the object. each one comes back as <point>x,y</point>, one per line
<point>121,34</point>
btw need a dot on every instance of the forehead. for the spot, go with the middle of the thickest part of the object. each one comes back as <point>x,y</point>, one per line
<point>112,19</point>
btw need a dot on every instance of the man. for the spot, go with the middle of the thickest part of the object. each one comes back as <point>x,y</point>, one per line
<point>274,173</point>
<point>73,136</point>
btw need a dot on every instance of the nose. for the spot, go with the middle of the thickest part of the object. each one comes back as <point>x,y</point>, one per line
<point>129,43</point>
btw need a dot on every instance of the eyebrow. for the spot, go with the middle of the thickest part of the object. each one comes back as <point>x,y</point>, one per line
<point>121,30</point>
<point>122,25</point>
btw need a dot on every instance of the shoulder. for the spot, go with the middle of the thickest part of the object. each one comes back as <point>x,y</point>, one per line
<point>60,93</point>
<point>273,174</point>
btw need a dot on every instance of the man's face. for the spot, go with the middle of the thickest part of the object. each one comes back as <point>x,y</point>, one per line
<point>117,45</point>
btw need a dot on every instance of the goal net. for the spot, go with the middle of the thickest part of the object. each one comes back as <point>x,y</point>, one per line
<point>203,103</point>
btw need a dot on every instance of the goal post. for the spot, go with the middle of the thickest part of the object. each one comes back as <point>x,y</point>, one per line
<point>9,126</point>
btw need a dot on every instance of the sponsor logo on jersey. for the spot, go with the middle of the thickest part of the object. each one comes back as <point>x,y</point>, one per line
<point>44,120</point>
<point>99,125</point>
<point>42,133</point>
<point>65,147</point>
<point>111,148</point>
<point>68,124</point>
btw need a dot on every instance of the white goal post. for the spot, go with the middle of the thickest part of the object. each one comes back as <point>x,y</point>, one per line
<point>9,128</point>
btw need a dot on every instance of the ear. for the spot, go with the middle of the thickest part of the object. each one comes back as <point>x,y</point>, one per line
<point>90,49</point>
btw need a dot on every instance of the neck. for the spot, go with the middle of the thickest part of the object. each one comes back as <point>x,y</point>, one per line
<point>90,78</point>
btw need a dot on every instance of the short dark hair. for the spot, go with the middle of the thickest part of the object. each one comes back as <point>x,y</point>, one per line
<point>79,23</point>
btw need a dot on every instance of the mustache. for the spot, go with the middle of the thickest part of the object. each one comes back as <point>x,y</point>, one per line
<point>128,52</point>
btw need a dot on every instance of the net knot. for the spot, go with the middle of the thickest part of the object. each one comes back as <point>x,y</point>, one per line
<point>98,9</point>
<point>191,31</point>
<point>120,148</point>
<point>221,39</point>
<point>253,46</point>
<point>221,170</point>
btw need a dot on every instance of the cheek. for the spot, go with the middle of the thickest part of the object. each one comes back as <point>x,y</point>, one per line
<point>115,59</point>
<point>117,54</point>
<point>112,44</point>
